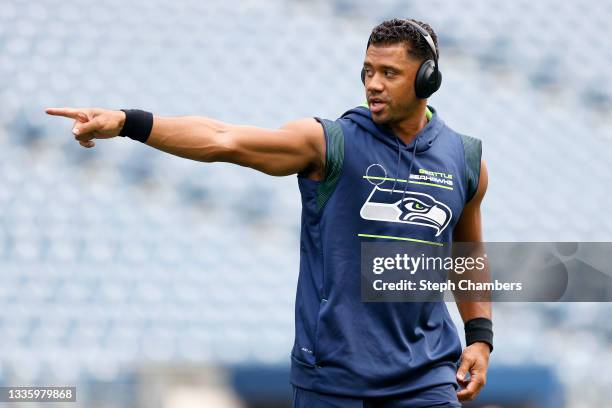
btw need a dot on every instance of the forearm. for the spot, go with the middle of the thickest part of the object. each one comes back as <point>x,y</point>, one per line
<point>472,303</point>
<point>472,310</point>
<point>191,137</point>
<point>277,152</point>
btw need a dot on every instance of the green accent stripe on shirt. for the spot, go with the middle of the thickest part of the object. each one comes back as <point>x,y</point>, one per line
<point>401,239</point>
<point>404,181</point>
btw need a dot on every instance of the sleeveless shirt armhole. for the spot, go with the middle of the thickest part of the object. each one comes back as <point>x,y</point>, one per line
<point>334,160</point>
<point>472,148</point>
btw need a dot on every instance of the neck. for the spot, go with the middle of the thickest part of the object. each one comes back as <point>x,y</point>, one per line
<point>408,128</point>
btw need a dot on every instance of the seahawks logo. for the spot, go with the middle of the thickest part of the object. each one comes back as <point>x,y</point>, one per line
<point>414,208</point>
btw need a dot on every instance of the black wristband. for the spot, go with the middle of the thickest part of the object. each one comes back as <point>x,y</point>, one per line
<point>479,329</point>
<point>137,125</point>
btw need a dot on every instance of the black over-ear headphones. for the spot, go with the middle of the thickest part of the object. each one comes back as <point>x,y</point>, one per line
<point>428,78</point>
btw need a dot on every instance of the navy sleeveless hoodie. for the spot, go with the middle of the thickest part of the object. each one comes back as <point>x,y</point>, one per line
<point>344,346</point>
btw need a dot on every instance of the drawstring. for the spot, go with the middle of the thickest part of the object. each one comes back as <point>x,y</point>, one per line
<point>416,145</point>
<point>399,157</point>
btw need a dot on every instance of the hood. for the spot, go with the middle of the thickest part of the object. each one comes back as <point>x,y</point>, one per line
<point>426,137</point>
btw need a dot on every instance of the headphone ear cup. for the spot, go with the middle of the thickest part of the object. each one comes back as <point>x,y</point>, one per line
<point>363,76</point>
<point>437,76</point>
<point>427,80</point>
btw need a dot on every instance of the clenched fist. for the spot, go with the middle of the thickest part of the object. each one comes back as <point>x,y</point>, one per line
<point>92,123</point>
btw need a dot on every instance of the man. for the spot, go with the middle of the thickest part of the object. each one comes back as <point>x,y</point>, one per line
<point>349,353</point>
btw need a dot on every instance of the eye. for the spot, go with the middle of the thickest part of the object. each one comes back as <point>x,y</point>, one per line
<point>412,204</point>
<point>389,73</point>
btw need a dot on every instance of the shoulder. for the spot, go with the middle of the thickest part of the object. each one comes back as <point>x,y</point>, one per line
<point>331,142</point>
<point>474,165</point>
<point>470,144</point>
<point>471,150</point>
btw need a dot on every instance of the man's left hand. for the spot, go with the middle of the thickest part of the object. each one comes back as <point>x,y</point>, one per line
<point>475,360</point>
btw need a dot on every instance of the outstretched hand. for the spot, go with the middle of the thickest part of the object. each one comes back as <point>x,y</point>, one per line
<point>475,360</point>
<point>91,123</point>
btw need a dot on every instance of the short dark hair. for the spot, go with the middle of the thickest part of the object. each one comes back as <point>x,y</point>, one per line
<point>399,31</point>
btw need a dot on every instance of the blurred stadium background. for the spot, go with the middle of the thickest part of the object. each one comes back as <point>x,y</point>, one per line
<point>151,281</point>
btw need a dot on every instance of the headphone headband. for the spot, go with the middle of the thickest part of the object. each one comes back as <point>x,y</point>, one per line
<point>427,38</point>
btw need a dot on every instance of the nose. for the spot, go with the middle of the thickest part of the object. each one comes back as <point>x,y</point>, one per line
<point>374,84</point>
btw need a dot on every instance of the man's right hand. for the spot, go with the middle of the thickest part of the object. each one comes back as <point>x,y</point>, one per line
<point>92,123</point>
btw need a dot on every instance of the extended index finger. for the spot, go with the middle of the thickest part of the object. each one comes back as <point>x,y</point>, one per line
<point>71,113</point>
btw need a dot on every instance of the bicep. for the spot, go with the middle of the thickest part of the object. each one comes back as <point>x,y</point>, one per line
<point>469,226</point>
<point>288,150</point>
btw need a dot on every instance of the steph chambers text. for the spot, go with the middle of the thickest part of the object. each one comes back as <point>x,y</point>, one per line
<point>462,285</point>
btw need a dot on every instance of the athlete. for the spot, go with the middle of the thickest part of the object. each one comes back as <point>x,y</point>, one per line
<point>388,171</point>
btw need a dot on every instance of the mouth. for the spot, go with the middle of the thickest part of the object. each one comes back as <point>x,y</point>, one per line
<point>376,104</point>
